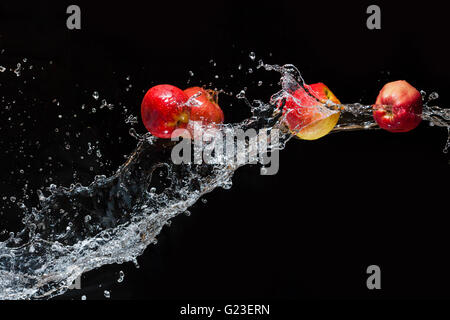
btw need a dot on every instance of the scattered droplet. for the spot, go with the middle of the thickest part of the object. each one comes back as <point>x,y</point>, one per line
<point>433,96</point>
<point>121,277</point>
<point>90,148</point>
<point>260,64</point>
<point>241,95</point>
<point>131,120</point>
<point>423,94</point>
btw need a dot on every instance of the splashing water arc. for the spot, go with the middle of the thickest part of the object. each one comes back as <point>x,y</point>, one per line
<point>114,219</point>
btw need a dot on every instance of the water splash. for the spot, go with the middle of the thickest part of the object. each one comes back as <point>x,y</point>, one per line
<point>114,219</point>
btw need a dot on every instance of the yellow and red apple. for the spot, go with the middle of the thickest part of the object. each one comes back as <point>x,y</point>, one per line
<point>306,113</point>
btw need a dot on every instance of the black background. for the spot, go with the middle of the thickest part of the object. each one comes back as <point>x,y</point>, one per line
<point>336,206</point>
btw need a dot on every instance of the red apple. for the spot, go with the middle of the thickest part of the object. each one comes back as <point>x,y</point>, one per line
<point>398,107</point>
<point>164,110</point>
<point>306,115</point>
<point>204,106</point>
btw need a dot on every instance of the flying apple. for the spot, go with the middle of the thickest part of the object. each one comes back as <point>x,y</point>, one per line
<point>204,106</point>
<point>398,107</point>
<point>164,110</point>
<point>306,114</point>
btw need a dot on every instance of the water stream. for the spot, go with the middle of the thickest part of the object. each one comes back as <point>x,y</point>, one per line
<point>114,219</point>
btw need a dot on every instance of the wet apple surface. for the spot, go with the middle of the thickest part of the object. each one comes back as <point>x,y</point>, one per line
<point>398,107</point>
<point>306,114</point>
<point>204,106</point>
<point>164,110</point>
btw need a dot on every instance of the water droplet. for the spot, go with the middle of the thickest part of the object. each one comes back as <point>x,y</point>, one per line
<point>107,294</point>
<point>252,56</point>
<point>83,298</point>
<point>433,96</point>
<point>191,73</point>
<point>260,64</point>
<point>227,185</point>
<point>423,94</point>
<point>134,134</point>
<point>131,120</point>
<point>96,95</point>
<point>121,277</point>
<point>241,95</point>
<point>18,69</point>
<point>90,148</point>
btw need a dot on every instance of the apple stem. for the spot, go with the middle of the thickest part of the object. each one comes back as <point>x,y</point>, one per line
<point>213,95</point>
